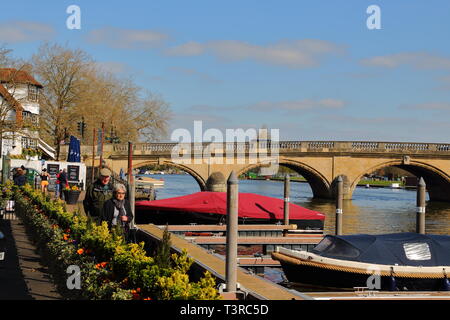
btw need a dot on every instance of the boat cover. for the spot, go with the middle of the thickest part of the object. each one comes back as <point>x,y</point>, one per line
<point>250,206</point>
<point>406,249</point>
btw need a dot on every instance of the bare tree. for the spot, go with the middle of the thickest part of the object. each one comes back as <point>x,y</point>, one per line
<point>152,118</point>
<point>62,72</point>
<point>76,88</point>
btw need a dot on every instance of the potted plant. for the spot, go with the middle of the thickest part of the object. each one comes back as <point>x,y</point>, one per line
<point>71,194</point>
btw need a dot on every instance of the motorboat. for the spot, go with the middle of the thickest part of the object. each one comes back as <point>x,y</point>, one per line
<point>147,182</point>
<point>401,261</point>
<point>211,208</point>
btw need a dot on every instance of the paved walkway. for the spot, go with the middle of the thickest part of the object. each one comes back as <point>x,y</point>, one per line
<point>22,276</point>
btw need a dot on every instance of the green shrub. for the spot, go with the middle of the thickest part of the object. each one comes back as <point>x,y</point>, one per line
<point>110,267</point>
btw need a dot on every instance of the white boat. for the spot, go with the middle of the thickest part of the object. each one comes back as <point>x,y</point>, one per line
<point>147,182</point>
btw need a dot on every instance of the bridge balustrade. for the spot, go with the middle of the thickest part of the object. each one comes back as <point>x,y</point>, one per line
<point>443,147</point>
<point>365,145</point>
<point>407,146</point>
<point>286,146</point>
<point>320,144</point>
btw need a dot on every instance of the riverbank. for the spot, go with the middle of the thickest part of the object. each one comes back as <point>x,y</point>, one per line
<point>362,183</point>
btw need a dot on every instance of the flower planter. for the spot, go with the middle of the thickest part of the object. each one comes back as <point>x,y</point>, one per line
<point>71,196</point>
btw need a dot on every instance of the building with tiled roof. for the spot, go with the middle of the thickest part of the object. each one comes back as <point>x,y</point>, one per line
<point>19,96</point>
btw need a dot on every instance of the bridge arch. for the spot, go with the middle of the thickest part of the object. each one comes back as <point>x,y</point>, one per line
<point>437,181</point>
<point>201,182</point>
<point>320,186</point>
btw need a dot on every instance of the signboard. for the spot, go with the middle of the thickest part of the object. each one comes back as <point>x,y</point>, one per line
<point>53,169</point>
<point>73,173</point>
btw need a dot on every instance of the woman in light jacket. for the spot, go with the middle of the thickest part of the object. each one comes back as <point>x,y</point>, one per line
<point>117,210</point>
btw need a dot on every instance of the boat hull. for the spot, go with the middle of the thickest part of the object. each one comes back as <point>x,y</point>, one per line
<point>183,218</point>
<point>345,280</point>
<point>337,279</point>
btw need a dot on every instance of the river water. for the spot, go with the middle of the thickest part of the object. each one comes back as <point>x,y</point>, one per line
<point>372,210</point>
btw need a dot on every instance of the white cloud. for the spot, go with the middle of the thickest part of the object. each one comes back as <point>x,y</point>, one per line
<point>25,31</point>
<point>127,38</point>
<point>195,74</point>
<point>417,60</point>
<point>294,105</point>
<point>113,66</point>
<point>294,54</point>
<point>428,106</point>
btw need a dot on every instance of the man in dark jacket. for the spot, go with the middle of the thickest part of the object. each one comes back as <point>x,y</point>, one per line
<point>19,178</point>
<point>97,194</point>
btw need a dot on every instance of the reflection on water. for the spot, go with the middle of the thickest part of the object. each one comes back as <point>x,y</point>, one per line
<point>372,210</point>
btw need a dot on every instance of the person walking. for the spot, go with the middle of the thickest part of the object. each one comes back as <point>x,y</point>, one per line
<point>117,211</point>
<point>44,181</point>
<point>97,194</point>
<point>57,185</point>
<point>63,182</point>
<point>20,179</point>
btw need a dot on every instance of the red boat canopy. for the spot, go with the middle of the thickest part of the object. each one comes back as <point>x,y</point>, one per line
<point>250,206</point>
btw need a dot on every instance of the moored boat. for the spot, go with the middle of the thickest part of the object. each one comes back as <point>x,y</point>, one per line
<point>211,208</point>
<point>401,261</point>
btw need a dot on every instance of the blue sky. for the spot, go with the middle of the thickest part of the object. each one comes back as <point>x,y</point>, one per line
<point>311,69</point>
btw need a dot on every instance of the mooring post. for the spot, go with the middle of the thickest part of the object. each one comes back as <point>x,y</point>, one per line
<point>420,216</point>
<point>339,201</point>
<point>232,232</point>
<point>287,191</point>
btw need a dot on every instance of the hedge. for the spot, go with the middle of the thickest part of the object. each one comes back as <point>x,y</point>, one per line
<point>110,267</point>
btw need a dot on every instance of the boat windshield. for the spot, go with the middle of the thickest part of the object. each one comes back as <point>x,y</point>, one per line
<point>417,251</point>
<point>335,247</point>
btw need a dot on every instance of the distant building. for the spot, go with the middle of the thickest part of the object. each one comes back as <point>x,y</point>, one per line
<point>20,108</point>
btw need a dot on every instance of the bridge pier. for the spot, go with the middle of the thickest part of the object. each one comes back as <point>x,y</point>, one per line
<point>216,182</point>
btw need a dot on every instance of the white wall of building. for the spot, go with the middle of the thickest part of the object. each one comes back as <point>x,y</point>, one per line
<point>14,146</point>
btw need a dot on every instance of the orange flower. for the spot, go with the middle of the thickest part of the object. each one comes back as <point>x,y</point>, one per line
<point>80,251</point>
<point>135,294</point>
<point>101,265</point>
<point>66,236</point>
<point>148,298</point>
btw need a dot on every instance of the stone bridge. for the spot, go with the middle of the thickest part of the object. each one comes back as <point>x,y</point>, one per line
<point>320,162</point>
